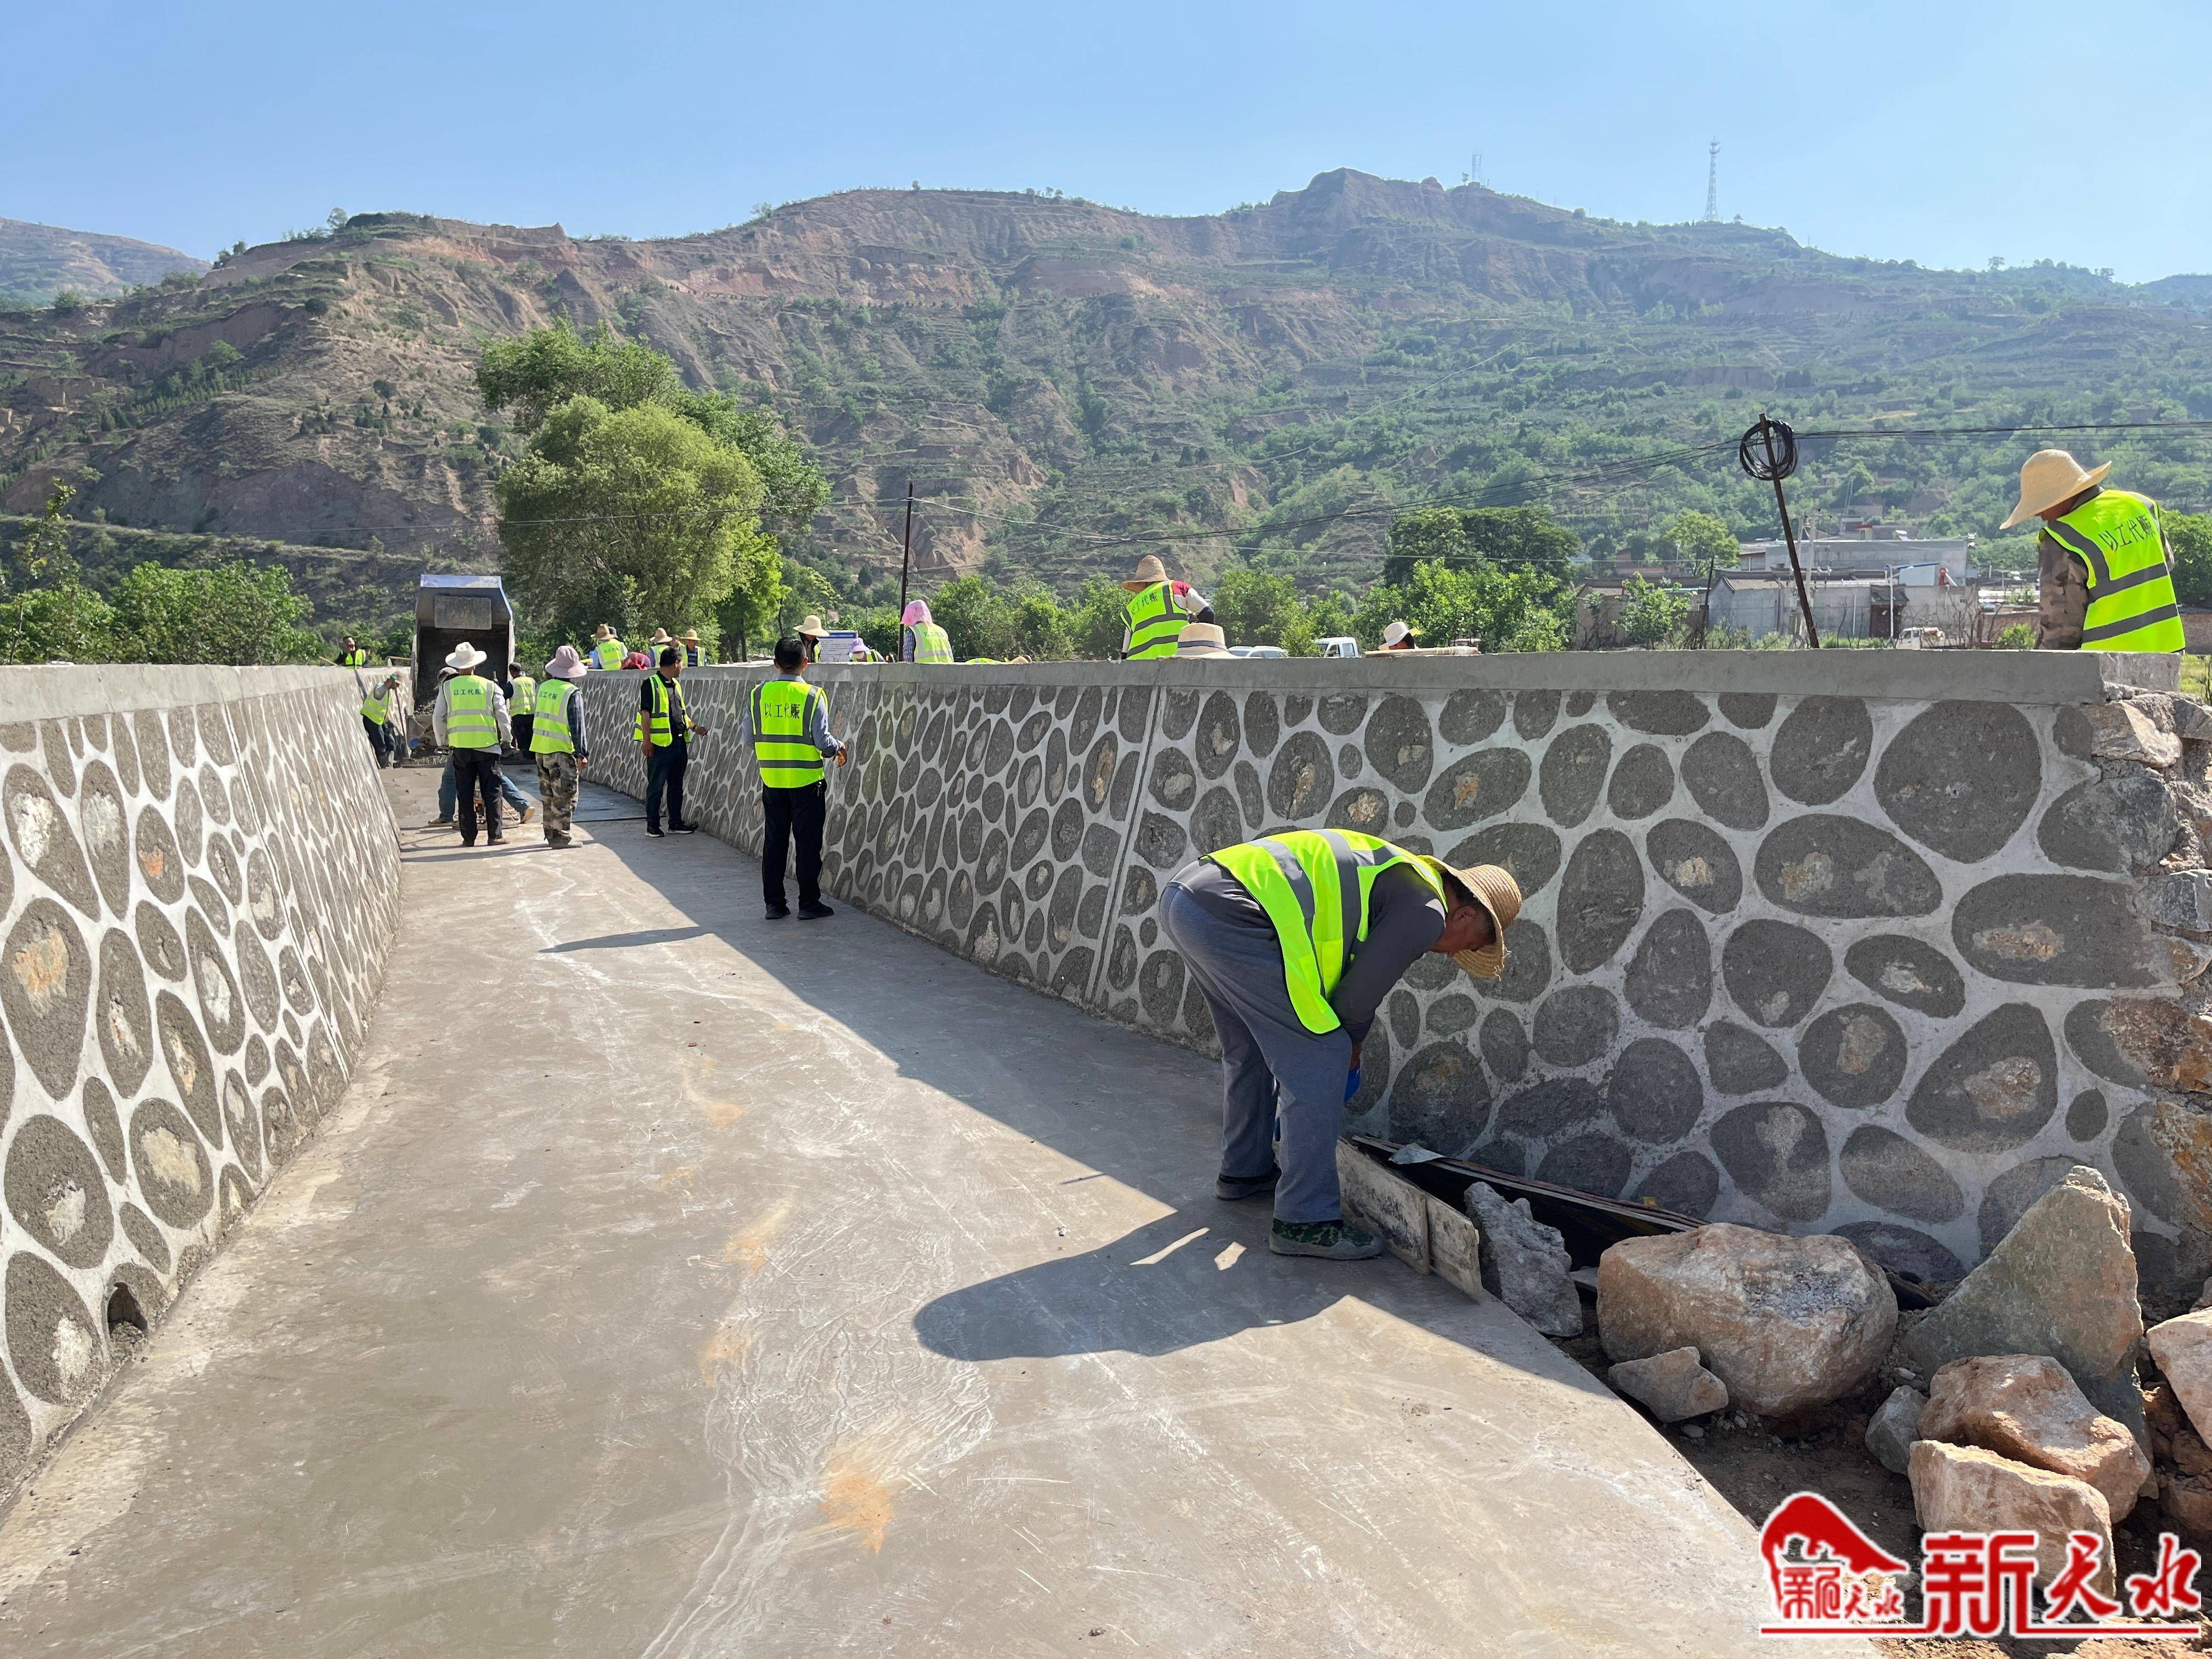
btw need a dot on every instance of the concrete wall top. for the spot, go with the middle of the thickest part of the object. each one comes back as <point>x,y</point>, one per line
<point>61,692</point>
<point>2023,678</point>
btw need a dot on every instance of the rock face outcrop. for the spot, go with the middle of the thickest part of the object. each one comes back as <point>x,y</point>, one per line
<point>2061,1283</point>
<point>1966,1489</point>
<point>1671,1386</point>
<point>1785,1323</point>
<point>1525,1263</point>
<point>2025,1406</point>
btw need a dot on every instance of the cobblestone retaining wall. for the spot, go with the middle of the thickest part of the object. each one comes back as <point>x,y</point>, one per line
<point>199,884</point>
<point>1877,944</point>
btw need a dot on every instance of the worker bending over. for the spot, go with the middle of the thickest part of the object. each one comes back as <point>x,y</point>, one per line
<point>789,721</point>
<point>1294,940</point>
<point>2108,574</point>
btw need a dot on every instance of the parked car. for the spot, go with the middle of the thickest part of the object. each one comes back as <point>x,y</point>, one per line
<point>1338,645</point>
<point>1257,650</point>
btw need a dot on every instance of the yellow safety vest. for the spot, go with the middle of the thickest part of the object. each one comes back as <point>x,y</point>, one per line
<point>373,709</point>
<point>786,759</point>
<point>663,729</point>
<point>524,700</point>
<point>548,731</point>
<point>694,656</point>
<point>355,657</point>
<point>470,722</point>
<point>1314,884</point>
<point>2132,606</point>
<point>1155,619</point>
<point>931,643</point>
<point>608,653</point>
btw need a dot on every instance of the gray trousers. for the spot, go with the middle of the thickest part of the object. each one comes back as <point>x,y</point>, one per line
<point>1282,1096</point>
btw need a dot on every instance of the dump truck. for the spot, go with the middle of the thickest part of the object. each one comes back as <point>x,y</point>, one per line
<point>451,608</point>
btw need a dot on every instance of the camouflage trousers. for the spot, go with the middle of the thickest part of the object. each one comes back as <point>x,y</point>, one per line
<point>557,793</point>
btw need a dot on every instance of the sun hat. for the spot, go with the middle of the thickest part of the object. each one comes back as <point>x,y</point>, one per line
<point>690,636</point>
<point>2048,477</point>
<point>917,612</point>
<point>810,628</point>
<point>1397,631</point>
<point>661,636</point>
<point>463,657</point>
<point>566,664</point>
<point>1201,639</point>
<point>1150,572</point>
<point>1493,888</point>
<point>603,632</point>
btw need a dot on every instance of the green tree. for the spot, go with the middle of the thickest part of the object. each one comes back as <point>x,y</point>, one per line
<point>1040,626</point>
<point>1326,617</point>
<point>1431,533</point>
<point>1706,542</point>
<point>229,613</point>
<point>1257,607</point>
<point>975,615</point>
<point>1512,538</point>
<point>1650,611</point>
<point>1507,610</point>
<point>2190,535</point>
<point>1095,624</point>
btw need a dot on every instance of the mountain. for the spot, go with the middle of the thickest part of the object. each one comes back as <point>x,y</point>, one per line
<point>1059,377</point>
<point>39,261</point>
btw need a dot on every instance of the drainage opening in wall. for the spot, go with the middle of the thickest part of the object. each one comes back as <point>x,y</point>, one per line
<point>126,1320</point>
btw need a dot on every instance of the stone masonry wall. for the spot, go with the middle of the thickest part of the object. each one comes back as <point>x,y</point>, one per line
<point>1877,944</point>
<point>199,884</point>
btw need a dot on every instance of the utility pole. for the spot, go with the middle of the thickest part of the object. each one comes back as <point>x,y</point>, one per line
<point>1713,182</point>
<point>1768,453</point>
<point>906,550</point>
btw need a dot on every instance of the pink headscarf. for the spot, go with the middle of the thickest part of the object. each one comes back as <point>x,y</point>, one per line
<point>918,612</point>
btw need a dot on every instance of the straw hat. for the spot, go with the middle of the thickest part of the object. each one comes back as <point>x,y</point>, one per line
<point>1494,888</point>
<point>2048,477</point>
<point>1398,631</point>
<point>810,628</point>
<point>566,664</point>
<point>1201,639</point>
<point>661,636</point>
<point>464,658</point>
<point>1150,571</point>
<point>690,636</point>
<point>603,632</point>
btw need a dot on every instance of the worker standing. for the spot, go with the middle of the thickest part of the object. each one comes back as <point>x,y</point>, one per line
<point>351,655</point>
<point>1293,941</point>
<point>810,631</point>
<point>664,731</point>
<point>923,640</point>
<point>694,654</point>
<point>1159,609</point>
<point>471,719</point>
<point>789,722</point>
<point>607,650</point>
<point>522,703</point>
<point>558,743</point>
<point>376,717</point>
<point>2106,569</point>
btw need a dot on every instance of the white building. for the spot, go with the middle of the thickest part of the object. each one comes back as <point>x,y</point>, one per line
<point>1916,561</point>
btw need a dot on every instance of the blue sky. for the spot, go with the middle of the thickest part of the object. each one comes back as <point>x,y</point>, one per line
<point>1944,132</point>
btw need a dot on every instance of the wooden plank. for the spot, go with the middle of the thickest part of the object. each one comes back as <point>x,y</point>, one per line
<point>1455,1248</point>
<point>1392,1208</point>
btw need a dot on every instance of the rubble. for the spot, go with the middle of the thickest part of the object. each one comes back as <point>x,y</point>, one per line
<point>2025,1407</point>
<point>1671,1386</point>
<point>1525,1264</point>
<point>2183,1349</point>
<point>2061,1283</point>
<point>1784,1324</point>
<point>1968,1489</point>
<point>1894,1427</point>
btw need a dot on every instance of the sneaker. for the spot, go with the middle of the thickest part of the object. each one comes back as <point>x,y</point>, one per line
<point>1332,1240</point>
<point>438,824</point>
<point>656,832</point>
<point>528,813</point>
<point>558,842</point>
<point>496,841</point>
<point>814,912</point>
<point>778,913</point>
<point>1232,1188</point>
<point>684,829</point>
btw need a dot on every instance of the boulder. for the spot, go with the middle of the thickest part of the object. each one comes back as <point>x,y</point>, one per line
<point>2025,1406</point>
<point>2186,1501</point>
<point>2061,1283</point>
<point>2183,1349</point>
<point>1785,1323</point>
<point>2129,731</point>
<point>1671,1386</point>
<point>1893,1429</point>
<point>1525,1263</point>
<point>1966,1489</point>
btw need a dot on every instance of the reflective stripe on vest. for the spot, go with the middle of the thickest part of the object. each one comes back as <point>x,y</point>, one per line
<point>355,659</point>
<point>523,700</point>
<point>373,709</point>
<point>787,759</point>
<point>549,733</point>
<point>608,653</point>
<point>470,723</point>
<point>2132,606</point>
<point>1155,619</point>
<point>931,643</point>
<point>1298,877</point>
<point>663,733</point>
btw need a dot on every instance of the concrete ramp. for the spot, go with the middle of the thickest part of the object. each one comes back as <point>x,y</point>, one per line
<point>674,1282</point>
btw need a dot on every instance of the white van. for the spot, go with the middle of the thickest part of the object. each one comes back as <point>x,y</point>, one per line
<point>1338,645</point>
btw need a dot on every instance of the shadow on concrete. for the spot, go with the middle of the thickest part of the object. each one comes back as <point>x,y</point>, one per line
<point>625,941</point>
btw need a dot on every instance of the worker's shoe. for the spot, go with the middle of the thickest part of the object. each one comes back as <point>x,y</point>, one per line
<point>1233,1188</point>
<point>656,832</point>
<point>528,813</point>
<point>438,824</point>
<point>814,912</point>
<point>778,913</point>
<point>1332,1240</point>
<point>684,829</point>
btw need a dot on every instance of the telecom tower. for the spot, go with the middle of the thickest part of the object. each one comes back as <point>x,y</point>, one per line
<point>1713,183</point>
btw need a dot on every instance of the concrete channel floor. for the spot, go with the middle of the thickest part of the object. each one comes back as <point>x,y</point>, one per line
<point>674,1282</point>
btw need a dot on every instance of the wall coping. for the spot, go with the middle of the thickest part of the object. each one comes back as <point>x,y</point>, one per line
<point>2023,678</point>
<point>49,692</point>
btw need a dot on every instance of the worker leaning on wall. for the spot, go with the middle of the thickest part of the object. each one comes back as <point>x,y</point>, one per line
<point>2106,569</point>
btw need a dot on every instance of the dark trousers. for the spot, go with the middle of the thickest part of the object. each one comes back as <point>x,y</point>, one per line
<point>663,775</point>
<point>380,739</point>
<point>789,815</point>
<point>525,726</point>
<point>476,773</point>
